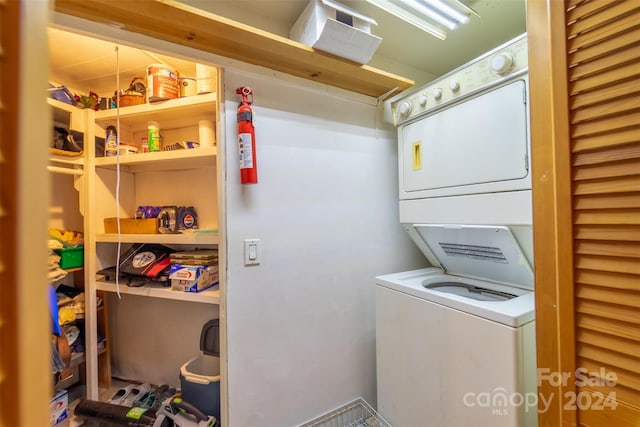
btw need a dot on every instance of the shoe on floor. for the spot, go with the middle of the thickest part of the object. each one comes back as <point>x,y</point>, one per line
<point>120,394</point>
<point>135,393</point>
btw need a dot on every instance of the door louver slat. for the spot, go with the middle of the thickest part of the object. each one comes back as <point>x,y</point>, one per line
<point>612,75</point>
<point>613,185</point>
<point>587,9</point>
<point>624,347</point>
<point>611,154</point>
<point>596,127</point>
<point>606,232</point>
<point>626,367</point>
<point>608,14</point>
<point>621,137</point>
<point>623,25</point>
<point>604,64</point>
<point>611,264</point>
<point>619,90</point>
<point>623,249</point>
<point>625,40</point>
<point>608,311</point>
<point>611,108</point>
<point>607,170</point>
<point>612,328</point>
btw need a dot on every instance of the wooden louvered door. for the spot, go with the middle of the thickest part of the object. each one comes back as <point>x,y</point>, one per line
<point>585,110</point>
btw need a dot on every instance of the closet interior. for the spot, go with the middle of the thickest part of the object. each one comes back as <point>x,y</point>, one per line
<point>134,185</point>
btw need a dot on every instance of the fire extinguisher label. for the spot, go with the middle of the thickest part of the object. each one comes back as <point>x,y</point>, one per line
<point>246,151</point>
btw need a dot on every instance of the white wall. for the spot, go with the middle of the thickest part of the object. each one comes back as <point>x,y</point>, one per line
<point>301,338</point>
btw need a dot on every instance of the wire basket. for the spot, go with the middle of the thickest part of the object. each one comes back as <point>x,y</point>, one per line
<point>357,413</point>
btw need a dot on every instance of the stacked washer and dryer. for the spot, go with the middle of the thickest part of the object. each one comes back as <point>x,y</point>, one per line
<point>456,342</point>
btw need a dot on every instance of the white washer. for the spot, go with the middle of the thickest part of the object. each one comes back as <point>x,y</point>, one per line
<point>456,344</point>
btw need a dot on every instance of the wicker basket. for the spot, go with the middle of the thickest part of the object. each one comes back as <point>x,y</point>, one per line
<point>126,100</point>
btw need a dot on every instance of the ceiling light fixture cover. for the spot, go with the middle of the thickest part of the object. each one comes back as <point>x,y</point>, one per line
<point>432,16</point>
<point>437,16</point>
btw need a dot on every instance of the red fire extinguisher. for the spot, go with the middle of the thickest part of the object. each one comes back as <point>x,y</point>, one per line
<point>247,138</point>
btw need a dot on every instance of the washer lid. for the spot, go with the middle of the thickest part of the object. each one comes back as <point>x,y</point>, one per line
<point>488,252</point>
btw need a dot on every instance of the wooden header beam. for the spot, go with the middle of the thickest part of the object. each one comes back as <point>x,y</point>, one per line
<point>188,26</point>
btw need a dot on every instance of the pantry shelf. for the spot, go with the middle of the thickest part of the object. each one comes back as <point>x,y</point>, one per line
<point>161,160</point>
<point>170,239</point>
<point>172,113</point>
<point>208,296</point>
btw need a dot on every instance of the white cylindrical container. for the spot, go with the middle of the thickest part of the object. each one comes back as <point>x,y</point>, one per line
<point>187,86</point>
<point>206,78</point>
<point>207,133</point>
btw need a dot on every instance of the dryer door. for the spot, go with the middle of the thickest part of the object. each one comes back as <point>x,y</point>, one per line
<point>476,146</point>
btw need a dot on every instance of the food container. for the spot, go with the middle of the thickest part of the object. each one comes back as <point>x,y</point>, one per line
<point>162,83</point>
<point>126,149</point>
<point>71,257</point>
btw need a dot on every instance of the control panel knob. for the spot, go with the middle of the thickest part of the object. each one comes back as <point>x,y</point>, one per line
<point>437,93</point>
<point>501,63</point>
<point>422,100</point>
<point>404,108</point>
<point>454,86</point>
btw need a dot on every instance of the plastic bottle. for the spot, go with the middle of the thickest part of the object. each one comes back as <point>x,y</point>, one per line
<point>153,136</point>
<point>111,141</point>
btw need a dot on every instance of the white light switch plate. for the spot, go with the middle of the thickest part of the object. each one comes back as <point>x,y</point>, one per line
<point>252,251</point>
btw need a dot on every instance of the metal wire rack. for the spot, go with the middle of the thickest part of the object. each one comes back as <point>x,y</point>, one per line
<point>357,413</point>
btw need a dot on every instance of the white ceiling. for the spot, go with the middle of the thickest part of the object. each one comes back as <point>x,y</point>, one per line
<point>404,50</point>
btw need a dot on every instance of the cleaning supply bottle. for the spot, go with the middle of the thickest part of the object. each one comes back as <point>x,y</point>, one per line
<point>111,141</point>
<point>153,136</point>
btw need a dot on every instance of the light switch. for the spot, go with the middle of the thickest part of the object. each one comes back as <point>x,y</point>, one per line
<point>251,251</point>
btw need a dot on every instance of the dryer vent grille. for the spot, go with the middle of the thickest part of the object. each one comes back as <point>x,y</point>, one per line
<point>482,253</point>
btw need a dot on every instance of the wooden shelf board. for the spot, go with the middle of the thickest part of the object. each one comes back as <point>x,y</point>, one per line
<point>162,160</point>
<point>168,239</point>
<point>172,113</point>
<point>198,29</point>
<point>208,296</point>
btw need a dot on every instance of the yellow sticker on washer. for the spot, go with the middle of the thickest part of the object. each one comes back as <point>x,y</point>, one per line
<point>416,155</point>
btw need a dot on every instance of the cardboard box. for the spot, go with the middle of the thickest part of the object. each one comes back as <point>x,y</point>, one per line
<point>334,28</point>
<point>192,278</point>
<point>131,226</point>
<point>58,407</point>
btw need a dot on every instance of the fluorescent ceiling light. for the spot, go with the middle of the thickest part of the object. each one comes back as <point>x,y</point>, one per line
<point>430,13</point>
<point>409,17</point>
<point>449,11</point>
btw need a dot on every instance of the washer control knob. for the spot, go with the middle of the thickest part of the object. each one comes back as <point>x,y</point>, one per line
<point>501,63</point>
<point>422,100</point>
<point>454,86</point>
<point>437,93</point>
<point>404,108</point>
